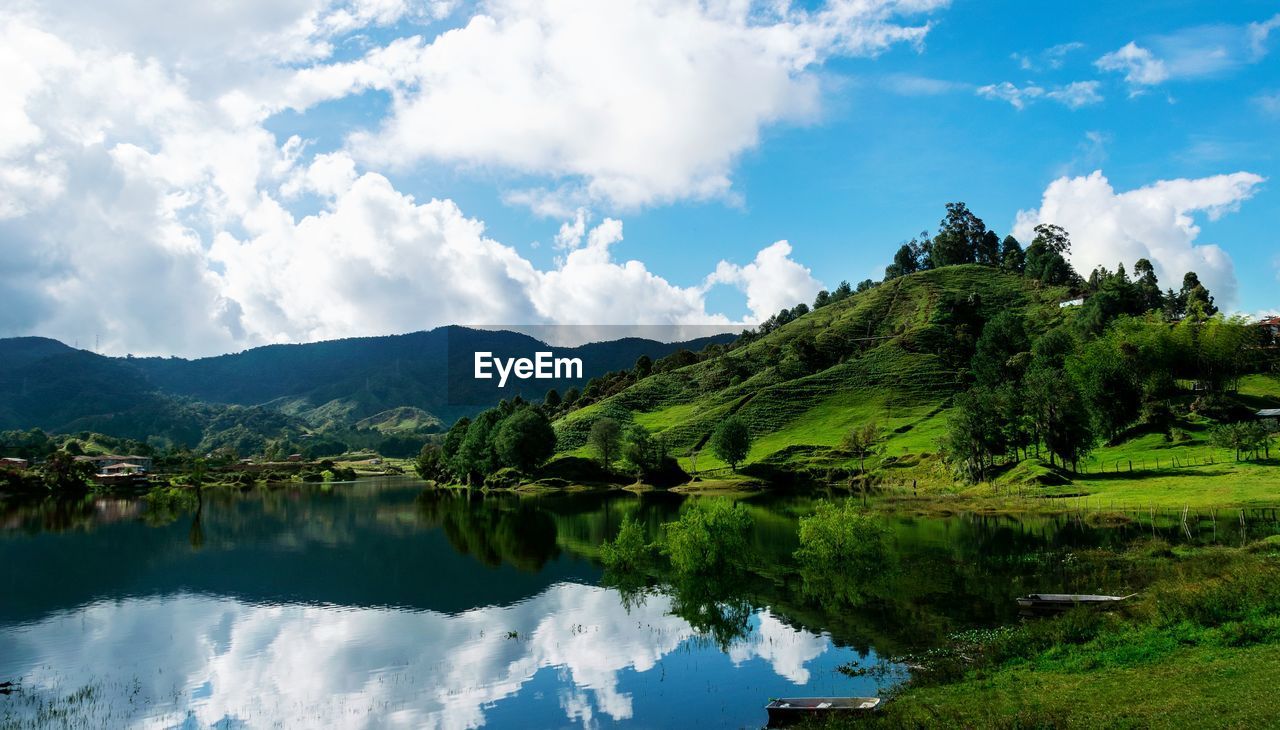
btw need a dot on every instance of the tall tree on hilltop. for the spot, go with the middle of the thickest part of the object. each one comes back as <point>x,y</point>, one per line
<point>959,237</point>
<point>1194,299</point>
<point>1046,256</point>
<point>988,252</point>
<point>905,261</point>
<point>1148,286</point>
<point>1012,257</point>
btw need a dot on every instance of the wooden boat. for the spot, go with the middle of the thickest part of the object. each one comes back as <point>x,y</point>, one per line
<point>1065,601</point>
<point>789,710</point>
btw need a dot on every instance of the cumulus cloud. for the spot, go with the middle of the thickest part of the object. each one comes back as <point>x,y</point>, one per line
<point>634,103</point>
<point>1073,95</point>
<point>1154,222</point>
<point>772,281</point>
<point>144,205</point>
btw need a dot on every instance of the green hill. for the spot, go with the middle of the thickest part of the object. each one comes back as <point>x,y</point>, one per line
<point>893,354</point>
<point>396,385</point>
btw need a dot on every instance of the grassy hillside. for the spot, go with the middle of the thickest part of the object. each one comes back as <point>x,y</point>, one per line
<point>882,355</point>
<point>896,355</point>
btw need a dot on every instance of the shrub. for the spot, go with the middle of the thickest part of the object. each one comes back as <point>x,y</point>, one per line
<point>628,551</point>
<point>843,537</point>
<point>710,535</point>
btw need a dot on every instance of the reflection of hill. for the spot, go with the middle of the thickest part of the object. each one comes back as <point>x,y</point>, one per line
<point>296,545</point>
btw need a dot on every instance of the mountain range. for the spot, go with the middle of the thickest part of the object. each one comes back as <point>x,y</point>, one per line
<point>398,383</point>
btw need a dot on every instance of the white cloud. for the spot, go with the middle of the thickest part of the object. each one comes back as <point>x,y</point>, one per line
<point>913,85</point>
<point>633,103</point>
<point>1153,222</point>
<point>1198,52</point>
<point>1268,102</point>
<point>150,212</point>
<point>1259,33</point>
<point>376,261</point>
<point>772,281</point>
<point>1139,65</point>
<point>1077,94</point>
<point>1052,57</point>
<point>1073,95</point>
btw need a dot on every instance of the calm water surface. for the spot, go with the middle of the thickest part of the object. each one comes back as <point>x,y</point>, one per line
<point>384,604</point>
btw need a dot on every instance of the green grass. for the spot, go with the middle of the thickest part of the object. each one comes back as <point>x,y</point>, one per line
<point>1200,647</point>
<point>1188,688</point>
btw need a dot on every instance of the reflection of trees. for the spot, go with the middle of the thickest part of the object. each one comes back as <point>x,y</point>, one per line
<point>53,514</point>
<point>715,607</point>
<point>494,530</point>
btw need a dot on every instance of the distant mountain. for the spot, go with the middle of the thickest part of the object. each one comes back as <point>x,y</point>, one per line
<point>340,384</point>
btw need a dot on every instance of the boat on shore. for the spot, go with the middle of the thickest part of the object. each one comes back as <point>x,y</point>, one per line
<point>790,710</point>
<point>1067,601</point>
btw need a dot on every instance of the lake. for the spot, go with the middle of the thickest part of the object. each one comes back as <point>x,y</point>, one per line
<point>383,603</point>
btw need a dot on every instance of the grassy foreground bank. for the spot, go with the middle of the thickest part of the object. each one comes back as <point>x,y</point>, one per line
<point>1200,648</point>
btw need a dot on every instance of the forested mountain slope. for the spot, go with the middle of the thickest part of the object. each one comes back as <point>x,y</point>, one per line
<point>277,390</point>
<point>893,354</point>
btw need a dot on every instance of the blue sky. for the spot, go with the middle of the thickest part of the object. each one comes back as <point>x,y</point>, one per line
<point>622,161</point>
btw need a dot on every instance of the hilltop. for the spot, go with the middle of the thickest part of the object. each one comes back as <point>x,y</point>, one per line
<point>889,354</point>
<point>897,355</point>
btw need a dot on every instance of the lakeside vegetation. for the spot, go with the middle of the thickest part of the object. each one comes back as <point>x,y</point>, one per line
<point>977,370</point>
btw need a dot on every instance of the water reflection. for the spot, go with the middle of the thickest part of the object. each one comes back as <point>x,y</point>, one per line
<point>384,604</point>
<point>206,660</point>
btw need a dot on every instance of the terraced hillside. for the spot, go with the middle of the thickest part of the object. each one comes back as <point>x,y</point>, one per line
<point>894,354</point>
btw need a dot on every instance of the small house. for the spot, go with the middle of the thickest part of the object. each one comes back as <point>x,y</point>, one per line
<point>102,462</point>
<point>295,457</point>
<point>1269,414</point>
<point>9,462</point>
<point>1270,327</point>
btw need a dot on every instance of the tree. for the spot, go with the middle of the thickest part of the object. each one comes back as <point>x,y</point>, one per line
<point>644,450</point>
<point>1148,286</point>
<point>863,442</point>
<point>63,474</point>
<point>570,397</point>
<point>843,291</point>
<point>525,439</point>
<point>1242,438</point>
<point>988,252</point>
<point>905,261</point>
<point>959,237</point>
<point>1046,256</point>
<point>1012,257</point>
<point>644,366</point>
<point>731,441</point>
<point>605,439</point>
<point>1062,419</point>
<point>973,433</point>
<point>1194,299</point>
<point>476,456</point>
<point>551,399</point>
<point>431,464</point>
<point>822,299</point>
<point>996,356</point>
